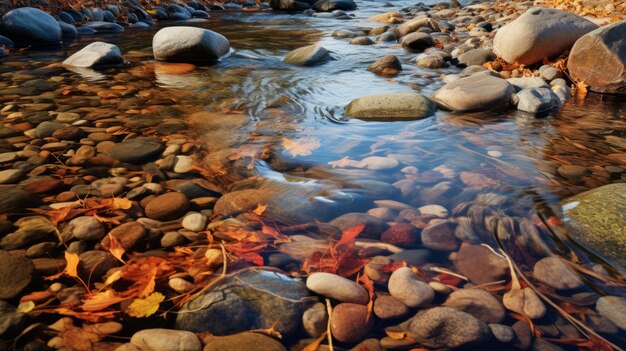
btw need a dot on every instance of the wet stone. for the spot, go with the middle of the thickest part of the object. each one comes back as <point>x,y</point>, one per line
<point>16,273</point>
<point>243,341</point>
<point>502,333</point>
<point>374,227</point>
<point>137,150</point>
<point>87,228</point>
<point>440,236</point>
<point>403,235</point>
<point>388,307</point>
<point>349,322</point>
<point>613,308</point>
<point>168,206</point>
<point>166,339</point>
<point>338,288</point>
<point>443,327</point>
<point>554,273</point>
<point>477,302</point>
<point>128,234</point>
<point>407,287</point>
<point>315,320</point>
<point>481,265</point>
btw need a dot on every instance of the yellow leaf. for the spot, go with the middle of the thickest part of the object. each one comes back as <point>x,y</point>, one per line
<point>113,278</point>
<point>260,209</point>
<point>26,307</point>
<point>581,88</point>
<point>101,300</point>
<point>71,268</point>
<point>141,308</point>
<point>115,248</point>
<point>121,204</point>
<point>149,288</point>
<point>397,335</point>
<point>315,345</point>
<point>301,147</point>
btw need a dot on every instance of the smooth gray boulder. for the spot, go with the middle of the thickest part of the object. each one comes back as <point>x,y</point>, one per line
<point>480,91</point>
<point>536,100</point>
<point>527,82</point>
<point>31,26</point>
<point>189,44</point>
<point>539,33</point>
<point>476,57</point>
<point>246,300</point>
<point>599,59</point>
<point>104,27</point>
<point>444,327</point>
<point>96,54</point>
<point>68,31</point>
<point>311,55</point>
<point>597,219</point>
<point>399,106</point>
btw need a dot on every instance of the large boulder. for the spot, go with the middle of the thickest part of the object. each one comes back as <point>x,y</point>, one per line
<point>31,26</point>
<point>332,5</point>
<point>189,44</point>
<point>480,91</point>
<point>96,54</point>
<point>599,59</point>
<point>400,106</point>
<point>311,55</point>
<point>539,33</point>
<point>249,299</point>
<point>597,219</point>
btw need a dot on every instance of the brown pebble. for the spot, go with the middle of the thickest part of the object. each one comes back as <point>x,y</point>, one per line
<point>350,323</point>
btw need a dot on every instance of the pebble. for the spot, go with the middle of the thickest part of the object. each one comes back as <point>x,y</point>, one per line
<point>523,333</point>
<point>180,285</point>
<point>87,228</point>
<point>477,302</point>
<point>10,176</point>
<point>388,307</point>
<point>408,288</point>
<point>440,236</point>
<point>554,273</point>
<point>16,273</point>
<point>374,227</point>
<point>402,234</point>
<point>573,171</point>
<point>380,163</point>
<point>128,234</point>
<point>494,153</point>
<point>502,333</point>
<point>435,210</point>
<point>338,288</point>
<point>183,164</point>
<point>373,269</point>
<point>168,206</point>
<point>242,341</point>
<point>349,322</point>
<point>480,265</point>
<point>315,320</point>
<point>7,157</point>
<point>613,308</point>
<point>195,222</point>
<point>166,340</point>
<point>443,327</point>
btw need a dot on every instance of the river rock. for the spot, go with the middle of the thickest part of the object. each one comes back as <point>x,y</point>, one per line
<point>168,206</point>
<point>95,263</point>
<point>31,26</point>
<point>97,54</point>
<point>476,57</point>
<point>337,287</point>
<point>417,41</point>
<point>350,323</point>
<point>527,83</point>
<point>599,59</point>
<point>386,66</point>
<point>243,341</point>
<point>4,41</point>
<point>480,264</point>
<point>440,236</point>
<point>374,227</point>
<point>137,150</point>
<point>250,299</point>
<point>315,320</point>
<point>502,333</point>
<point>402,234</point>
<point>87,228</point>
<point>362,41</point>
<point>613,308</point>
<point>102,27</point>
<point>476,92</point>
<point>47,128</point>
<point>311,55</point>
<point>477,302</point>
<point>16,272</point>
<point>189,44</point>
<point>9,176</point>
<point>195,222</point>
<point>554,273</point>
<point>391,106</point>
<point>31,230</point>
<point>332,5</point>
<point>14,198</point>
<point>597,219</point>
<point>388,307</point>
<point>127,234</point>
<point>415,24</point>
<point>431,61</point>
<point>408,288</point>
<point>539,33</point>
<point>443,327</point>
<point>550,73</point>
<point>536,100</point>
<point>165,340</point>
<point>290,5</point>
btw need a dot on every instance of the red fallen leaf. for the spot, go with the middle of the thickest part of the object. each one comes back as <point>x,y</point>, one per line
<point>391,267</point>
<point>340,258</point>
<point>369,285</point>
<point>247,251</point>
<point>449,279</point>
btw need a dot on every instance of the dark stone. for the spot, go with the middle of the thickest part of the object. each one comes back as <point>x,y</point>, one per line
<point>104,27</point>
<point>16,272</point>
<point>332,5</point>
<point>31,26</point>
<point>137,150</point>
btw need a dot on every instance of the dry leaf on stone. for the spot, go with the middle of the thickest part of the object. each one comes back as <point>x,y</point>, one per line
<point>101,300</point>
<point>141,308</point>
<point>301,146</point>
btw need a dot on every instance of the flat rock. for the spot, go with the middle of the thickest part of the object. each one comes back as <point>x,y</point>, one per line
<point>443,327</point>
<point>337,287</point>
<point>311,55</point>
<point>97,54</point>
<point>527,83</point>
<point>477,302</point>
<point>16,272</point>
<point>536,100</point>
<point>539,33</point>
<point>613,308</point>
<point>481,265</point>
<point>243,341</point>
<point>599,59</point>
<point>415,24</point>
<point>476,57</point>
<point>137,150</point>
<point>168,206</point>
<point>407,287</point>
<point>165,340</point>
<point>388,307</point>
<point>374,227</point>
<point>252,299</point>
<point>189,44</point>
<point>440,236</point>
<point>31,26</point>
<point>554,273</point>
<point>597,219</point>
<point>398,106</point>
<point>87,228</point>
<point>103,27</point>
<point>476,92</point>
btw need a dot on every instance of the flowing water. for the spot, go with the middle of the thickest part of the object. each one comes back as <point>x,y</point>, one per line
<point>249,109</point>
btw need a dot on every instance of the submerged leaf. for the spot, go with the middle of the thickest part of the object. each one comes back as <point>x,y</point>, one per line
<point>301,147</point>
<point>141,308</point>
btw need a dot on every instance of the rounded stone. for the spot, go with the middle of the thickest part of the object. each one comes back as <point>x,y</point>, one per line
<point>479,303</point>
<point>388,307</point>
<point>408,288</point>
<point>443,327</point>
<point>391,106</point>
<point>16,273</point>
<point>613,308</point>
<point>554,273</point>
<point>87,228</point>
<point>137,150</point>
<point>195,222</point>
<point>168,206</point>
<point>315,320</point>
<point>350,323</point>
<point>166,339</point>
<point>337,287</point>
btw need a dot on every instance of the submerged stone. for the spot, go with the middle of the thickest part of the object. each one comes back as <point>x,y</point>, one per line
<point>391,106</point>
